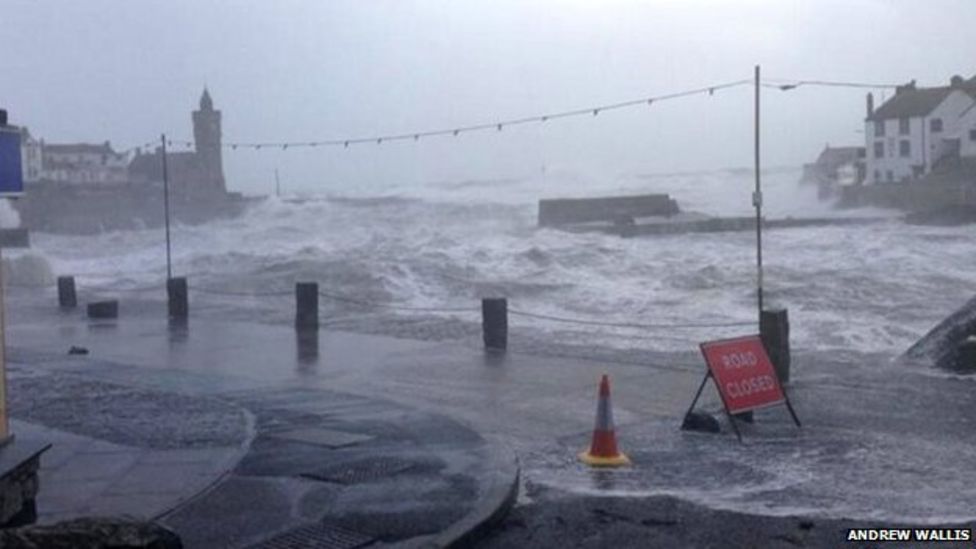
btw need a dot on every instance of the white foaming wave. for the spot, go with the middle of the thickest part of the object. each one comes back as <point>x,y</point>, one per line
<point>870,288</point>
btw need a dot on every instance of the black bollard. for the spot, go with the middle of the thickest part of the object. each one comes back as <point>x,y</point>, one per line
<point>103,309</point>
<point>67,298</point>
<point>307,305</point>
<point>494,322</point>
<point>774,328</point>
<point>176,290</point>
<point>307,347</point>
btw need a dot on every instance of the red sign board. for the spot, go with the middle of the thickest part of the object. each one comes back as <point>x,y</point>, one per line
<point>743,373</point>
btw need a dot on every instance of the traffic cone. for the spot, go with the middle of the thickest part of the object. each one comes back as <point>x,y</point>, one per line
<point>603,449</point>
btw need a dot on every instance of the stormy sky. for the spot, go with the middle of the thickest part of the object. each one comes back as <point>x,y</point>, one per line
<point>125,71</point>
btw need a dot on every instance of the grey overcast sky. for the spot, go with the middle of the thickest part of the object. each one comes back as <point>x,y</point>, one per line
<point>127,70</point>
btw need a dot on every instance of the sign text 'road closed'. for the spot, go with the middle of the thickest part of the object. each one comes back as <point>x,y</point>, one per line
<point>743,372</point>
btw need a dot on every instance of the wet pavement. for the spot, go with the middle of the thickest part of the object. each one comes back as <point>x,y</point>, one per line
<point>881,440</point>
<point>232,460</point>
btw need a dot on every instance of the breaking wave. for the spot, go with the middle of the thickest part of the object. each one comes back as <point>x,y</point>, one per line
<point>870,288</point>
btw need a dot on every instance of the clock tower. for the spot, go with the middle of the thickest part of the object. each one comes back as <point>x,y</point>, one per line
<point>206,137</point>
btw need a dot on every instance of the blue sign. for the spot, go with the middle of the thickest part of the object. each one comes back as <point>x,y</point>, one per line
<point>11,172</point>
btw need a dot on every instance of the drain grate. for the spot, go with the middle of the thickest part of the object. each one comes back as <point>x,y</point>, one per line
<point>361,471</point>
<point>316,536</point>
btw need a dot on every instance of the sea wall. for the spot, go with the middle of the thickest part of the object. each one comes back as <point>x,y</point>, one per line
<point>60,208</point>
<point>562,211</point>
<point>910,196</point>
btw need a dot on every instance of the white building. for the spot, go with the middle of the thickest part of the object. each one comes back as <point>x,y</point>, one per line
<point>915,130</point>
<point>30,156</point>
<point>966,132</point>
<point>78,164</point>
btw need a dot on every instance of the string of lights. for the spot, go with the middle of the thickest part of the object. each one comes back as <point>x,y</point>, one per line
<point>789,84</point>
<point>772,83</point>
<point>458,130</point>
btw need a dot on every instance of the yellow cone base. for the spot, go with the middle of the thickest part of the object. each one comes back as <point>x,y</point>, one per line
<point>618,460</point>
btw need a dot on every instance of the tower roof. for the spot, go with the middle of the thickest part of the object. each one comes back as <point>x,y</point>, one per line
<point>206,104</point>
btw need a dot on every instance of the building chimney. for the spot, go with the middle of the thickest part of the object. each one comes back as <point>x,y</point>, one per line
<point>905,87</point>
<point>870,104</point>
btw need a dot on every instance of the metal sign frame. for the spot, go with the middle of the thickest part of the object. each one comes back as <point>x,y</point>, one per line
<point>725,404</point>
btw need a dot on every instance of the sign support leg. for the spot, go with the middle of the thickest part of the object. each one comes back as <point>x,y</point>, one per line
<point>735,427</point>
<point>698,394</point>
<point>790,408</point>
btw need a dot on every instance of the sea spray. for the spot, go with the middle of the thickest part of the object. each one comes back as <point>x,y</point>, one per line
<point>869,288</point>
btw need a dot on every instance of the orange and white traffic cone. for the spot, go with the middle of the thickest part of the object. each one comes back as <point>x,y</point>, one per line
<point>603,450</point>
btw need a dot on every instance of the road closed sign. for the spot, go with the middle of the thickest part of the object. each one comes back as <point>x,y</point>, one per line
<point>743,373</point>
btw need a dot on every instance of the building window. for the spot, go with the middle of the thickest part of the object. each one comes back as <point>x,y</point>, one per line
<point>903,127</point>
<point>935,125</point>
<point>879,127</point>
<point>972,134</point>
<point>890,176</point>
<point>904,147</point>
<point>879,149</point>
<point>877,176</point>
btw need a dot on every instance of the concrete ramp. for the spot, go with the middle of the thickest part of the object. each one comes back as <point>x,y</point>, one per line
<point>952,343</point>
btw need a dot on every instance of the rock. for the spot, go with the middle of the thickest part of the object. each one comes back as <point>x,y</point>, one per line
<point>951,345</point>
<point>103,309</point>
<point>92,533</point>
<point>702,422</point>
<point>965,359</point>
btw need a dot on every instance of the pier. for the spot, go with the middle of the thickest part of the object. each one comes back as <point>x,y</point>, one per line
<point>699,223</point>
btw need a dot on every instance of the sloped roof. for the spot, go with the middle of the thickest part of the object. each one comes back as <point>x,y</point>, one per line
<point>911,103</point>
<point>835,156</point>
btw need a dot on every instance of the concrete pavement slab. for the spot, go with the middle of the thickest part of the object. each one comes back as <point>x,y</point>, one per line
<point>163,423</point>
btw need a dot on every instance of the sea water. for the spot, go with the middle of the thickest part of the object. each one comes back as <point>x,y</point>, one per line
<point>447,244</point>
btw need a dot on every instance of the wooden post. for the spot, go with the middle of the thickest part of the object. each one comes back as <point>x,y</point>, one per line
<point>774,328</point>
<point>307,305</point>
<point>494,322</point>
<point>176,291</point>
<point>67,297</point>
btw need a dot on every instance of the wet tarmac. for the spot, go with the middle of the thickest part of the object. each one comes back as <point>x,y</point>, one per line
<point>880,440</point>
